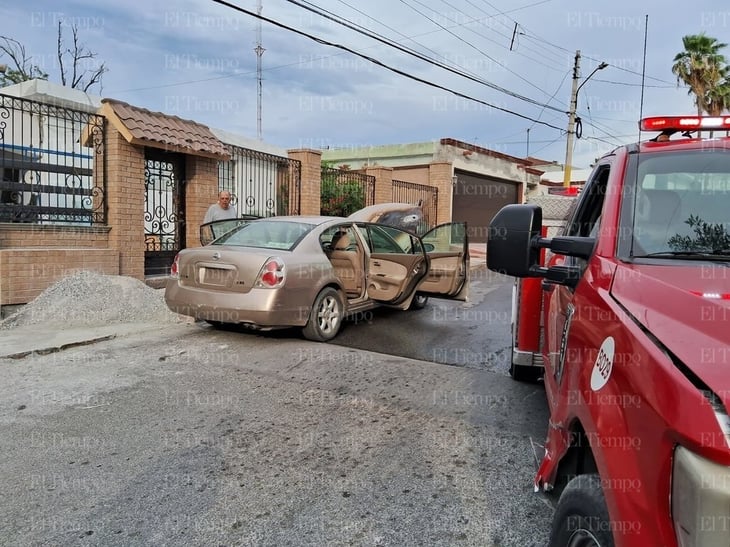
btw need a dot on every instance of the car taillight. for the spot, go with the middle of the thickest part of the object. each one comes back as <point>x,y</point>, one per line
<point>272,274</point>
<point>174,269</point>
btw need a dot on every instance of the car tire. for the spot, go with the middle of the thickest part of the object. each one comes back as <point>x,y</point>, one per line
<point>325,317</point>
<point>419,302</point>
<point>581,516</point>
<point>528,374</point>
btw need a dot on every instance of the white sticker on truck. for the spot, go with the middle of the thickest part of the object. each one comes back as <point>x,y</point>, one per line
<point>604,364</point>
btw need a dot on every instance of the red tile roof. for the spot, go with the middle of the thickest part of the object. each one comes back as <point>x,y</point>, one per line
<point>158,130</point>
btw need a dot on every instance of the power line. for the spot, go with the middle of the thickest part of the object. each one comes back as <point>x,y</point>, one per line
<point>409,51</point>
<point>379,63</point>
<point>466,41</point>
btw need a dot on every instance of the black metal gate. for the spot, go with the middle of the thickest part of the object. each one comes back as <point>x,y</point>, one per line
<point>164,215</point>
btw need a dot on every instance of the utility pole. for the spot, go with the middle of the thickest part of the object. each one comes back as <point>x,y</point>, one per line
<point>259,73</point>
<point>571,121</point>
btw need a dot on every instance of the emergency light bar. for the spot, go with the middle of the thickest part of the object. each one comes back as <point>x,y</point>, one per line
<point>680,123</point>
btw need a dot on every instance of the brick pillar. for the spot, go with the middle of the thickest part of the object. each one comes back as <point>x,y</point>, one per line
<point>311,179</point>
<point>125,202</point>
<point>383,183</point>
<point>201,191</point>
<point>440,175</point>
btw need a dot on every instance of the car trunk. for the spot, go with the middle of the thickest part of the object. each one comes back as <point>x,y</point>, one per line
<point>221,268</point>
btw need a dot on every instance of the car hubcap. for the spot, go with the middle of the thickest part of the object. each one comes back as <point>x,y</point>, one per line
<point>329,314</point>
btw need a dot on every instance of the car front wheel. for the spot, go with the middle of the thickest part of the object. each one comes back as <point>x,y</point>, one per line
<point>326,315</point>
<point>581,517</point>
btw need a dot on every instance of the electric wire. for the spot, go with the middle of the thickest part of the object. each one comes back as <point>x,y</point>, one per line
<point>408,51</point>
<point>377,62</point>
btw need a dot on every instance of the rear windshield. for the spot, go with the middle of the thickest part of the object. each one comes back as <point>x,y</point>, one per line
<point>678,202</point>
<point>266,234</point>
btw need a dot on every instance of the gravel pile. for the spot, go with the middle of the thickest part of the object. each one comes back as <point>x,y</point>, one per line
<point>90,298</point>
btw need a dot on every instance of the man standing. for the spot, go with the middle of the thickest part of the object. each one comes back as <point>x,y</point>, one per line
<point>221,210</point>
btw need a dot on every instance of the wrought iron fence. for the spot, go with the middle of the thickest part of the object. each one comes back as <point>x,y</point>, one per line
<point>343,192</point>
<point>52,162</point>
<point>424,196</point>
<point>261,184</point>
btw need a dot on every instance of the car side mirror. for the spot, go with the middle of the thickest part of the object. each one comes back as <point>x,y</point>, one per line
<point>511,246</point>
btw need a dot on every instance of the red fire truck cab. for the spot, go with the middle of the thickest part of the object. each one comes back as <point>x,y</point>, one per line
<point>628,322</point>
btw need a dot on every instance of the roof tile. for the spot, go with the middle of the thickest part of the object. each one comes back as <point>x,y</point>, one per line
<point>164,131</point>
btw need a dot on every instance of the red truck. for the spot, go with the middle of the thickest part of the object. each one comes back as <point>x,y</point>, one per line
<point>628,324</point>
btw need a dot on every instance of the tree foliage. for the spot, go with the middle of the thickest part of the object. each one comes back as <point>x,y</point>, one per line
<point>703,69</point>
<point>340,195</point>
<point>707,238</point>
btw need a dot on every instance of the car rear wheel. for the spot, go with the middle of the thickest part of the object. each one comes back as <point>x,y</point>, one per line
<point>326,316</point>
<point>581,517</point>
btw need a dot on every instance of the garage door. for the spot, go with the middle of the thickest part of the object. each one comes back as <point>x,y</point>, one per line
<point>477,199</point>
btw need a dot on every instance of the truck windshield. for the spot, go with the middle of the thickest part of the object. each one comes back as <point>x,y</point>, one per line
<point>678,206</point>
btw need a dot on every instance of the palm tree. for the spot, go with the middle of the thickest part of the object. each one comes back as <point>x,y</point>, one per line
<point>703,69</point>
<point>719,99</point>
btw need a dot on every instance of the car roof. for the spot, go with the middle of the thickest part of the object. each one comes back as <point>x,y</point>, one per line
<point>306,219</point>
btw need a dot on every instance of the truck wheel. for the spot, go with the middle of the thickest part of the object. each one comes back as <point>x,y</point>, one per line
<point>581,517</point>
<point>522,373</point>
<point>325,317</point>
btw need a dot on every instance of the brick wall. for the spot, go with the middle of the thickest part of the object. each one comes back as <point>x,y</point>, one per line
<point>440,175</point>
<point>201,191</point>
<point>310,179</point>
<point>125,202</point>
<point>383,183</point>
<point>34,257</point>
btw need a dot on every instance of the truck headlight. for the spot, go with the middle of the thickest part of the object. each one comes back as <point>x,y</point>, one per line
<point>700,500</point>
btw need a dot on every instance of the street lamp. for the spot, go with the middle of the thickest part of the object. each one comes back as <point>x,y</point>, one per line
<point>571,114</point>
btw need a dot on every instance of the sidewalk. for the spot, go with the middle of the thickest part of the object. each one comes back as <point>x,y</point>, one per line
<point>20,342</point>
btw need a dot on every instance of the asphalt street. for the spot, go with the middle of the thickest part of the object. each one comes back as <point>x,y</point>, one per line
<point>182,434</point>
<point>474,334</point>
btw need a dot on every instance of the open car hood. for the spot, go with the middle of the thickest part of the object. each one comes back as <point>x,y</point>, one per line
<point>405,216</point>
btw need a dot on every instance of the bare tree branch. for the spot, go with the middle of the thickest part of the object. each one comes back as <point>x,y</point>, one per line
<point>59,50</point>
<point>81,77</point>
<point>22,68</point>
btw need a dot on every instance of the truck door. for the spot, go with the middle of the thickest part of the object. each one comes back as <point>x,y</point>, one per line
<point>560,300</point>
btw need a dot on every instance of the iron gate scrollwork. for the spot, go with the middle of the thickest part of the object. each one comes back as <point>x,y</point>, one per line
<point>164,217</point>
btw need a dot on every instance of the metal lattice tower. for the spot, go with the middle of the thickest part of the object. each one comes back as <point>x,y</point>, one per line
<point>259,73</point>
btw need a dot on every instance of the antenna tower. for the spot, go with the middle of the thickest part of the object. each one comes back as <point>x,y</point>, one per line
<point>259,76</point>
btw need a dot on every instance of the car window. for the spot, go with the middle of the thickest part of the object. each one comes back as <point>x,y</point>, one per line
<point>386,239</point>
<point>340,237</point>
<point>266,235</point>
<point>448,238</point>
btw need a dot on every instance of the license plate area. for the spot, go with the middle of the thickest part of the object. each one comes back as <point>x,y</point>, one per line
<point>217,277</point>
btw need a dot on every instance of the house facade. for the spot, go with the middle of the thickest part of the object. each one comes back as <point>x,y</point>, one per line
<point>473,182</point>
<point>92,184</point>
<point>99,184</point>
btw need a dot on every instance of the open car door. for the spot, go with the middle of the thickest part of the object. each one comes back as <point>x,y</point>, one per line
<point>396,264</point>
<point>213,230</point>
<point>447,247</point>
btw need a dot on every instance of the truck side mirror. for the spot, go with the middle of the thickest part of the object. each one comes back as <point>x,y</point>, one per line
<point>510,247</point>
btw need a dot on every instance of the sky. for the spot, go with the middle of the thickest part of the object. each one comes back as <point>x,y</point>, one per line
<point>508,90</point>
